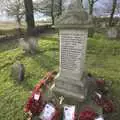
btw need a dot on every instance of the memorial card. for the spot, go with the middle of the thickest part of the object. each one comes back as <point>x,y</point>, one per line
<point>36,97</point>
<point>69,112</point>
<point>48,112</point>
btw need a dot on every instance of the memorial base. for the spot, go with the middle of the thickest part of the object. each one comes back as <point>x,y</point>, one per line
<point>80,99</point>
<point>71,88</point>
<point>69,94</point>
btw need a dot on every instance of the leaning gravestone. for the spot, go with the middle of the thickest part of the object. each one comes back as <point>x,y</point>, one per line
<point>73,28</point>
<point>18,71</point>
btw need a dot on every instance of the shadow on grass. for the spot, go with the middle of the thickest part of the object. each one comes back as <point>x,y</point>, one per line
<point>49,38</point>
<point>46,60</point>
<point>49,60</point>
<point>8,45</point>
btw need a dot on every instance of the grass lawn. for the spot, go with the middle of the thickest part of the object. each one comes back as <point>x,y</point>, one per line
<point>102,61</point>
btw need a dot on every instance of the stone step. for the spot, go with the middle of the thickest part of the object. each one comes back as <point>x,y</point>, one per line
<point>69,87</point>
<point>71,81</point>
<point>69,94</point>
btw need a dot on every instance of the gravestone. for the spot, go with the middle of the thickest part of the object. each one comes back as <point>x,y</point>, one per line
<point>18,71</point>
<point>24,45</point>
<point>112,33</point>
<point>73,30</point>
<point>29,45</point>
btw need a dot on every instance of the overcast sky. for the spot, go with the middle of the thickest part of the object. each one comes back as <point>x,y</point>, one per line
<point>99,7</point>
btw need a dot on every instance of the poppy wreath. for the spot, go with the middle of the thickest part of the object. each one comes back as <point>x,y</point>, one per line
<point>102,86</point>
<point>105,103</point>
<point>87,114</point>
<point>97,99</point>
<point>48,78</point>
<point>33,106</point>
<point>100,83</point>
<point>108,106</point>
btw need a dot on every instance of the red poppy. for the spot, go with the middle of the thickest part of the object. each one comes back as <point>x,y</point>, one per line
<point>100,82</point>
<point>34,105</point>
<point>57,114</point>
<point>108,106</point>
<point>87,114</point>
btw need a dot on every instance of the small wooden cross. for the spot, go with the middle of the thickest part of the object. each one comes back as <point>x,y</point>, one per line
<point>61,99</point>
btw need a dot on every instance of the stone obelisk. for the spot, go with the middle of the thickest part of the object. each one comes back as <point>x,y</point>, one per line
<point>73,27</point>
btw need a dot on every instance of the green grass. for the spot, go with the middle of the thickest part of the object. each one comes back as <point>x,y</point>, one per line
<point>103,58</point>
<point>12,95</point>
<point>102,61</point>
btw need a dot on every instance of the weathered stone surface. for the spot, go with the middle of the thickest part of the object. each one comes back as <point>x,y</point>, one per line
<point>74,17</point>
<point>33,43</point>
<point>112,33</point>
<point>29,45</point>
<point>73,24</point>
<point>80,105</point>
<point>24,45</point>
<point>72,48</point>
<point>18,71</point>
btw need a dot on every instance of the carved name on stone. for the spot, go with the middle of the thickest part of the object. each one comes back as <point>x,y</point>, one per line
<point>73,48</point>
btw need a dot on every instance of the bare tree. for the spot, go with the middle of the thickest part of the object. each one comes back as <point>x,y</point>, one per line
<point>111,8</point>
<point>91,6</point>
<point>50,8</point>
<point>114,5</point>
<point>52,11</point>
<point>15,8</point>
<point>29,12</point>
<point>60,7</point>
<point>81,2</point>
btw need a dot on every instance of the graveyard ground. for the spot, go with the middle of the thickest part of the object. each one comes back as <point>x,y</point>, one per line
<point>103,60</point>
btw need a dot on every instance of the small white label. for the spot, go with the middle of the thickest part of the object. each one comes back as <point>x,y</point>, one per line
<point>36,97</point>
<point>69,112</point>
<point>99,118</point>
<point>48,112</point>
<point>99,95</point>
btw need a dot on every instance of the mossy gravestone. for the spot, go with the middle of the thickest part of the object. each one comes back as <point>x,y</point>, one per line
<point>18,71</point>
<point>29,45</point>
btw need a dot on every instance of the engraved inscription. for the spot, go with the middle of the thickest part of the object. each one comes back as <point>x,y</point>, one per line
<point>73,46</point>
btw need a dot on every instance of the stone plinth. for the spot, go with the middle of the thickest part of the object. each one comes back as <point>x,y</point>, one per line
<point>73,31</point>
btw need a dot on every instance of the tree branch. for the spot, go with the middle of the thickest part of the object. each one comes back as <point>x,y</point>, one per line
<point>95,1</point>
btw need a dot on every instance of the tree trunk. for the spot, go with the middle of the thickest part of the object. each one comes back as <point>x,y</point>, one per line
<point>112,13</point>
<point>91,5</point>
<point>53,20</point>
<point>52,12</point>
<point>29,16</point>
<point>82,3</point>
<point>18,20</point>
<point>60,8</point>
